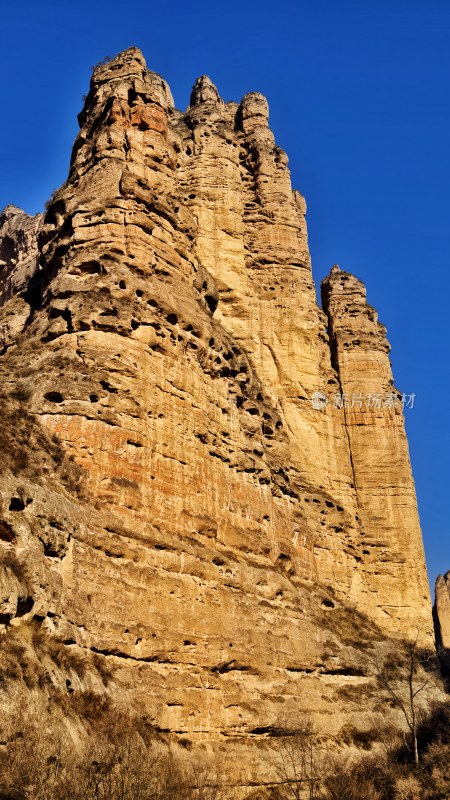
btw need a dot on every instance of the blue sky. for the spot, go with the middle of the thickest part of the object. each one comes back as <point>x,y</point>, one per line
<point>359,98</point>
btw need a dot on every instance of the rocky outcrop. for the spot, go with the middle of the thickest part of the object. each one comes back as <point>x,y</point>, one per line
<point>18,251</point>
<point>390,533</point>
<point>442,611</point>
<point>18,269</point>
<point>176,503</point>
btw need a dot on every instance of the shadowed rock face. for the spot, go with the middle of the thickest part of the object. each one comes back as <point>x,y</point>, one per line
<point>442,611</point>
<point>18,250</point>
<point>215,536</point>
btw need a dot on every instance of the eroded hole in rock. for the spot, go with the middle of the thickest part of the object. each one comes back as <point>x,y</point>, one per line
<point>54,213</point>
<point>229,666</point>
<point>109,312</point>
<point>16,504</point>
<point>211,302</point>
<point>139,293</point>
<point>134,443</point>
<point>264,730</point>
<point>172,319</point>
<point>6,532</point>
<point>122,285</point>
<point>327,603</point>
<point>351,672</point>
<point>24,606</point>
<point>93,398</point>
<point>50,551</point>
<point>86,268</point>
<point>54,397</point>
<point>8,250</point>
<point>61,251</point>
<point>107,387</point>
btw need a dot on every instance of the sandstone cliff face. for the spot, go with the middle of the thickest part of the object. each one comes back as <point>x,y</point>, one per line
<point>18,266</point>
<point>442,611</point>
<point>187,514</point>
<point>390,533</point>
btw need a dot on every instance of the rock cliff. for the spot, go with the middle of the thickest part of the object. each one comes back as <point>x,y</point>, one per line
<point>206,483</point>
<point>441,612</point>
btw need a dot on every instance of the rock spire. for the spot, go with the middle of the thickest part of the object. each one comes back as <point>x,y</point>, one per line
<point>226,547</point>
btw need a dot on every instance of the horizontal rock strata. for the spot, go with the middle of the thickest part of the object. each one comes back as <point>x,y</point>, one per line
<point>173,502</point>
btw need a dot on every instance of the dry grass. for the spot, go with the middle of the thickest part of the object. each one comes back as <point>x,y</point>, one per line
<point>116,762</point>
<point>27,451</point>
<point>393,775</point>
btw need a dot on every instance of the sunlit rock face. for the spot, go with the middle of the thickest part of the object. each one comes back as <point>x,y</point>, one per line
<point>178,505</point>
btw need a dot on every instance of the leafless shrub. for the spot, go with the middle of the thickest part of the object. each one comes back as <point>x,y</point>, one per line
<point>393,775</point>
<point>105,60</point>
<point>370,778</point>
<point>104,668</point>
<point>67,657</point>
<point>405,681</point>
<point>362,739</point>
<point>296,761</point>
<point>28,451</point>
<point>40,760</point>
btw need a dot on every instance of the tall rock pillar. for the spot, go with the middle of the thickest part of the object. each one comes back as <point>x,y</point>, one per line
<point>441,612</point>
<point>393,569</point>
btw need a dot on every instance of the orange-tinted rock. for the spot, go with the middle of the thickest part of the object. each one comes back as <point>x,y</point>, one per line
<point>222,536</point>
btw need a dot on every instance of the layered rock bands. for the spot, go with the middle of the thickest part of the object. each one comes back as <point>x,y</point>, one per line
<point>208,482</point>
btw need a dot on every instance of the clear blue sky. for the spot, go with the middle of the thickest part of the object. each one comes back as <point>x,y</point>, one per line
<point>359,98</point>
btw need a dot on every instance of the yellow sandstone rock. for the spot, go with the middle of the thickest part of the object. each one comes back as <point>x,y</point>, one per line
<point>231,546</point>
